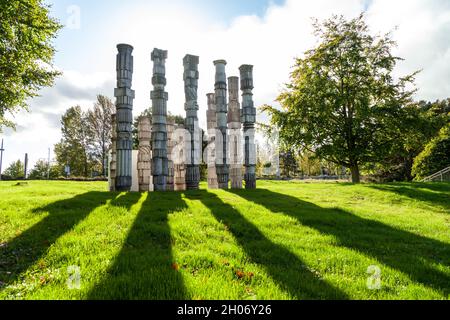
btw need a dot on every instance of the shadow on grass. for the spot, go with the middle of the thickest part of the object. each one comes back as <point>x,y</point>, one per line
<point>27,248</point>
<point>143,267</point>
<point>284,267</point>
<point>401,250</point>
<point>432,193</point>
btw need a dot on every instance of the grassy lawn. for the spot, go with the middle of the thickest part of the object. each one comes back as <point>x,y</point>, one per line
<point>286,240</point>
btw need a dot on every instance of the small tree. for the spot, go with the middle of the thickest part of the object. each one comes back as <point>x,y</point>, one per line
<point>435,157</point>
<point>75,148</point>
<point>343,103</point>
<point>15,170</point>
<point>41,171</point>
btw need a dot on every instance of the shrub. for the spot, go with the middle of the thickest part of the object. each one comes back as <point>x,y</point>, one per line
<point>435,156</point>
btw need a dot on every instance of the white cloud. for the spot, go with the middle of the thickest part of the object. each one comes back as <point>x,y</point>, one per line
<point>270,43</point>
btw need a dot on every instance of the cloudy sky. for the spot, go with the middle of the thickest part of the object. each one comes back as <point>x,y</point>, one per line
<point>267,34</point>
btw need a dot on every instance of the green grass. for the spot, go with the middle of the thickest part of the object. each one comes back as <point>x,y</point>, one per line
<point>286,240</point>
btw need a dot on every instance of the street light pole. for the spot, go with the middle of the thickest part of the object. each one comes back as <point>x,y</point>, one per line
<point>1,159</point>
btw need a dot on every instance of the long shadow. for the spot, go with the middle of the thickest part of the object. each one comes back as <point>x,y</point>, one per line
<point>143,269</point>
<point>434,194</point>
<point>404,251</point>
<point>284,267</point>
<point>27,248</point>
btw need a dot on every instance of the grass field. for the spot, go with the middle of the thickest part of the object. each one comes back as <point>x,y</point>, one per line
<point>286,240</point>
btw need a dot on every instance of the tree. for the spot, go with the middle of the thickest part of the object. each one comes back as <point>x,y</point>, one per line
<point>75,147</point>
<point>435,157</point>
<point>288,163</point>
<point>26,53</point>
<point>15,170</point>
<point>99,121</point>
<point>179,120</point>
<point>343,103</point>
<point>41,170</point>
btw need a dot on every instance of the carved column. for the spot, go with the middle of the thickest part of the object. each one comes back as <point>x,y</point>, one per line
<point>159,98</point>
<point>124,116</point>
<point>234,136</point>
<point>144,164</point>
<point>113,159</point>
<point>170,147</point>
<point>211,119</point>
<point>191,77</point>
<point>248,119</point>
<point>179,157</point>
<point>222,168</point>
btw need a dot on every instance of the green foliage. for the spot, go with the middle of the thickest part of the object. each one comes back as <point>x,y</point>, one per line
<point>15,170</point>
<point>343,103</point>
<point>288,163</point>
<point>416,127</point>
<point>86,138</point>
<point>26,53</point>
<point>73,149</point>
<point>41,171</point>
<point>435,156</point>
<point>100,131</point>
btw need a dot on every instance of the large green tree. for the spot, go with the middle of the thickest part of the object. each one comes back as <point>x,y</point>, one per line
<point>100,130</point>
<point>419,124</point>
<point>26,53</point>
<point>75,148</point>
<point>342,102</point>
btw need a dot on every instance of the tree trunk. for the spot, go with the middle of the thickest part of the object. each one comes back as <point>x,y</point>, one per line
<point>355,174</point>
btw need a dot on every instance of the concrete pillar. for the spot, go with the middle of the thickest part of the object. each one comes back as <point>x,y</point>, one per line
<point>234,133</point>
<point>144,164</point>
<point>124,117</point>
<point>222,167</point>
<point>113,159</point>
<point>179,157</point>
<point>248,119</point>
<point>191,77</point>
<point>211,120</point>
<point>170,147</point>
<point>160,169</point>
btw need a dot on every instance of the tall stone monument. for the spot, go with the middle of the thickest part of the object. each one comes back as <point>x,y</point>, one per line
<point>170,148</point>
<point>179,157</point>
<point>113,159</point>
<point>248,119</point>
<point>160,169</point>
<point>144,164</point>
<point>211,120</point>
<point>222,168</point>
<point>124,117</point>
<point>234,137</point>
<point>191,77</point>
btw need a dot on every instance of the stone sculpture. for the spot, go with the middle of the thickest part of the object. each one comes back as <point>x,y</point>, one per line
<point>222,168</point>
<point>248,119</point>
<point>234,136</point>
<point>160,168</point>
<point>124,117</point>
<point>211,120</point>
<point>191,77</point>
<point>144,164</point>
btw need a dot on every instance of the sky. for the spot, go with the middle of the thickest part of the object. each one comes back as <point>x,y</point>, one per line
<point>266,34</point>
